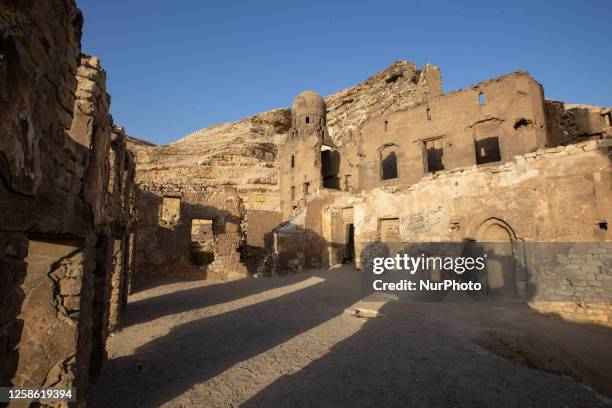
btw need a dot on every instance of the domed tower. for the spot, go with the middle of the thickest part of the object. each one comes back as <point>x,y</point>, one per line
<point>308,110</point>
<point>300,155</point>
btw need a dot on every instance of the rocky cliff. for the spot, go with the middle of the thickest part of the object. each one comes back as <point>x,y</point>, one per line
<point>243,153</point>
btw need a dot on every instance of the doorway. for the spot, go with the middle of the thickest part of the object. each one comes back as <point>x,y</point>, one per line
<point>349,234</point>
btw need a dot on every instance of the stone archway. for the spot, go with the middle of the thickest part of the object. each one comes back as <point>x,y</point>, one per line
<point>497,240</point>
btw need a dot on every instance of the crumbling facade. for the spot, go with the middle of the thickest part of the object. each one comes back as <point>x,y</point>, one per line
<point>384,165</point>
<point>394,161</point>
<point>66,199</point>
<point>495,163</point>
<point>190,232</point>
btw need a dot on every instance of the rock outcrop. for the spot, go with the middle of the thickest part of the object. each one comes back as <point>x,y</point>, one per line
<point>243,153</point>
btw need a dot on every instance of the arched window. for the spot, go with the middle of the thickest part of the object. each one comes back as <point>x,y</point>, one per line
<point>307,119</point>
<point>481,98</point>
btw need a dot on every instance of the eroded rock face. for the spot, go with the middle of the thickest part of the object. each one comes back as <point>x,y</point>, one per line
<point>398,87</point>
<point>244,153</point>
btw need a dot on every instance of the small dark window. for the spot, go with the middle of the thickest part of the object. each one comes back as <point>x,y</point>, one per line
<point>487,150</point>
<point>292,161</point>
<point>481,98</point>
<point>389,165</point>
<point>386,125</point>
<point>603,225</point>
<point>292,193</point>
<point>428,114</point>
<point>307,119</point>
<point>306,185</point>
<point>434,153</point>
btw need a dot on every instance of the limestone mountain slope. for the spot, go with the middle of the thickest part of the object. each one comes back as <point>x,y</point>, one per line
<point>243,153</point>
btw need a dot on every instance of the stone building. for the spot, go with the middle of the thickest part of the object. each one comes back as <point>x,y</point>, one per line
<point>492,163</point>
<point>66,202</point>
<point>391,164</point>
<point>394,161</point>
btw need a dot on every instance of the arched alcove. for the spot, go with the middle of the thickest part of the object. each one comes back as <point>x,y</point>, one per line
<point>497,238</point>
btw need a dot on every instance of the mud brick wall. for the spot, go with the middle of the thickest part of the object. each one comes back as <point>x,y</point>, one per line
<point>164,238</point>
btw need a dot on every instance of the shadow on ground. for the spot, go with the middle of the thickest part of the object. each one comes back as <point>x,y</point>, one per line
<point>415,354</point>
<point>196,351</point>
<point>151,308</point>
<point>428,355</point>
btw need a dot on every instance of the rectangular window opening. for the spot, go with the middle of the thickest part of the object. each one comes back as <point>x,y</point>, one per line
<point>202,241</point>
<point>434,152</point>
<point>388,165</point>
<point>487,150</point>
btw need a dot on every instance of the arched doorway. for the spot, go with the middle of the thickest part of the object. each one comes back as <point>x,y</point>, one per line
<point>496,239</point>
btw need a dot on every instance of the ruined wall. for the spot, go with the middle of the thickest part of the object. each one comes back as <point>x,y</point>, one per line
<point>55,131</point>
<point>109,190</point>
<point>506,111</point>
<point>167,241</point>
<point>41,169</point>
<point>570,123</point>
<point>244,154</point>
<point>536,193</point>
<point>544,201</point>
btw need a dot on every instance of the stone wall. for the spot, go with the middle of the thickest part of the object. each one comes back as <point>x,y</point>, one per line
<point>502,116</point>
<point>166,242</point>
<point>551,205</point>
<point>53,199</point>
<point>535,193</point>
<point>244,154</point>
<point>570,123</point>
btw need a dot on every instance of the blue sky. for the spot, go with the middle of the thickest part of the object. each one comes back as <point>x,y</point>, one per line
<point>177,66</point>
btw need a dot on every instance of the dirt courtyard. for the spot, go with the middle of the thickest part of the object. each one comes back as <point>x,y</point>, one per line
<point>292,342</point>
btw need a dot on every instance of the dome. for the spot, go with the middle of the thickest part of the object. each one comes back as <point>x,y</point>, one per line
<point>308,103</point>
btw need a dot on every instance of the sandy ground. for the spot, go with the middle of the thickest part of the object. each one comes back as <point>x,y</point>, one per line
<point>292,342</point>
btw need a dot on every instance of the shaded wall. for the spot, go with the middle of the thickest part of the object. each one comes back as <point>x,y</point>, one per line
<point>54,169</point>
<point>164,240</point>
